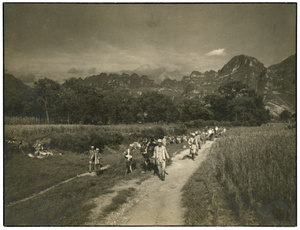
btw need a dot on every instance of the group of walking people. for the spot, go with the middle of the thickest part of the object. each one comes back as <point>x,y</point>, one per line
<point>195,142</point>
<point>199,137</point>
<point>155,156</point>
<point>154,151</point>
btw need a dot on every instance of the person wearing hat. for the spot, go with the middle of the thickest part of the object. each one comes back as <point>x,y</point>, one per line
<point>128,156</point>
<point>161,155</point>
<point>91,158</point>
<point>97,160</point>
<point>193,145</point>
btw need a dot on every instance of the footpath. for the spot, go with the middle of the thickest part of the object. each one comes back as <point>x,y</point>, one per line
<point>155,202</point>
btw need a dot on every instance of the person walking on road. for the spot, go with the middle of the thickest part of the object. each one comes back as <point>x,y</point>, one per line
<point>145,154</point>
<point>161,155</point>
<point>128,157</point>
<point>203,136</point>
<point>193,146</point>
<point>198,142</point>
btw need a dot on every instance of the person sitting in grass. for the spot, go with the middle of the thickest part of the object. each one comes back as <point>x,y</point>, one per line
<point>161,155</point>
<point>128,156</point>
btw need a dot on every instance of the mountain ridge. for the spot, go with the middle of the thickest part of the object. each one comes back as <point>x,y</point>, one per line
<point>276,83</point>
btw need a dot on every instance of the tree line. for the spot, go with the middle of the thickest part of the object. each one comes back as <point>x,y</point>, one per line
<point>76,103</point>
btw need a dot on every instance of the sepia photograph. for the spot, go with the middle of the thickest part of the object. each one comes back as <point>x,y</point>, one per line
<point>149,114</point>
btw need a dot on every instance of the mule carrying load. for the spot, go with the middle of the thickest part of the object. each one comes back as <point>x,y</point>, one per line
<point>147,151</point>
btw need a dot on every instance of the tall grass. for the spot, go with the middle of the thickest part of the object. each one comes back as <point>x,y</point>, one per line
<point>29,131</point>
<point>261,164</point>
<point>23,120</point>
<point>78,138</point>
<point>257,170</point>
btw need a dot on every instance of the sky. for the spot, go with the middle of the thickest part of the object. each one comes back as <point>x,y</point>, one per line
<point>60,41</point>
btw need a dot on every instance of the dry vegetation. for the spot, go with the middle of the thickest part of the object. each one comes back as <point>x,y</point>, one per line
<point>248,179</point>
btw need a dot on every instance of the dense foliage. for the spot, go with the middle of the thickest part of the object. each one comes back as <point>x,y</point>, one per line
<point>76,103</point>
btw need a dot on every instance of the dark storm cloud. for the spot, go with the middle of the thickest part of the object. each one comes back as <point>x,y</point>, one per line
<point>75,71</point>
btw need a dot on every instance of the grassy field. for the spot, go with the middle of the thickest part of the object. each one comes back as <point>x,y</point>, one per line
<point>249,178</point>
<point>67,204</point>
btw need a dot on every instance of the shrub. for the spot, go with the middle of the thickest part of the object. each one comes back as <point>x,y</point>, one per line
<point>81,142</point>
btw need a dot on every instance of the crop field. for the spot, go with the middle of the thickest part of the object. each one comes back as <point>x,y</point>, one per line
<point>79,138</point>
<point>67,204</point>
<point>25,131</point>
<point>249,178</point>
<point>129,132</point>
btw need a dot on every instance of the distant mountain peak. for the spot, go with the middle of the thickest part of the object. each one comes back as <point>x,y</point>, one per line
<point>197,74</point>
<point>241,62</point>
<point>145,67</point>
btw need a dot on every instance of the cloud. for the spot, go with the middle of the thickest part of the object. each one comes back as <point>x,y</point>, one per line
<point>92,71</point>
<point>217,52</point>
<point>75,71</point>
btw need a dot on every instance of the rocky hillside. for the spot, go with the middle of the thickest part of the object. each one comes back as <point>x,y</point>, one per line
<point>276,84</point>
<point>114,82</point>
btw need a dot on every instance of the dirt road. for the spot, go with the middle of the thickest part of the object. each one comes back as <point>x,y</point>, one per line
<point>156,202</point>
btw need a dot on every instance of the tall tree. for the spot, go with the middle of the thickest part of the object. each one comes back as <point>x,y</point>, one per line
<point>47,92</point>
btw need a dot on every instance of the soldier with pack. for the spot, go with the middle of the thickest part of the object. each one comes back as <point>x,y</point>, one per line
<point>151,146</point>
<point>193,146</point>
